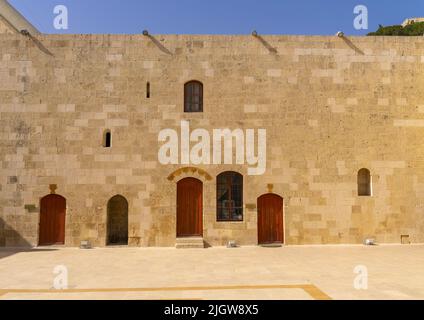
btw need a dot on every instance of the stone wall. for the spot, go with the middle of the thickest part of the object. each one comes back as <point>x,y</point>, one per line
<point>330,106</point>
<point>5,27</point>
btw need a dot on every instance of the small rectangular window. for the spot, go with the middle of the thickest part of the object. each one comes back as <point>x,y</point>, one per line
<point>107,139</point>
<point>148,90</point>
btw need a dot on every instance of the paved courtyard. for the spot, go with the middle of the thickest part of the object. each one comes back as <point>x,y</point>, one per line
<point>292,272</point>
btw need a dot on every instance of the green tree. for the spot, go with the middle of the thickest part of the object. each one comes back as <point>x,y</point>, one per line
<point>413,29</point>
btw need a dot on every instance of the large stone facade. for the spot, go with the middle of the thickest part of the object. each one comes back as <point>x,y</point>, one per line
<point>330,105</point>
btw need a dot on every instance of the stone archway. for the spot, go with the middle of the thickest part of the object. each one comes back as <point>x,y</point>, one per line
<point>117,221</point>
<point>189,171</point>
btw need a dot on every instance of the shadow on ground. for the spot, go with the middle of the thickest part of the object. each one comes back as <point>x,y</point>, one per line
<point>12,242</point>
<point>6,252</point>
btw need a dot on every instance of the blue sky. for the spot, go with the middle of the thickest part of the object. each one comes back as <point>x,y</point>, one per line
<point>216,16</point>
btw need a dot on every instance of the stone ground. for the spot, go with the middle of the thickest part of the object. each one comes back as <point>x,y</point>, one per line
<point>292,272</point>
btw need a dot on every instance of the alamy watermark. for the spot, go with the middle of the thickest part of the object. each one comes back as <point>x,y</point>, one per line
<point>361,20</point>
<point>360,282</point>
<point>60,281</point>
<point>207,149</point>
<point>60,21</point>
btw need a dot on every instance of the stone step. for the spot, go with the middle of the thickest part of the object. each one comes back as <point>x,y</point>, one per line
<point>189,243</point>
<point>271,245</point>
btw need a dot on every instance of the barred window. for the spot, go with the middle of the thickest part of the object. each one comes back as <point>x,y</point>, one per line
<point>229,196</point>
<point>193,96</point>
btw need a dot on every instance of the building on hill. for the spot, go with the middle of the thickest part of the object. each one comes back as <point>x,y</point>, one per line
<point>411,21</point>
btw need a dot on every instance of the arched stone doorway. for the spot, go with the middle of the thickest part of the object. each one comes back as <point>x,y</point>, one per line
<point>189,207</point>
<point>117,221</point>
<point>52,220</point>
<point>270,219</point>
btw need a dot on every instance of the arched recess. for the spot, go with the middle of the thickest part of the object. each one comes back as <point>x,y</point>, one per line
<point>117,221</point>
<point>52,220</point>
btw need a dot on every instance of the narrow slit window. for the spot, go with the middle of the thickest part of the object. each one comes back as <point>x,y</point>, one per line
<point>148,90</point>
<point>107,139</point>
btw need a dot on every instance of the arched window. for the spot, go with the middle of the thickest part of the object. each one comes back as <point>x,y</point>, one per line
<point>107,139</point>
<point>193,96</point>
<point>364,183</point>
<point>229,196</point>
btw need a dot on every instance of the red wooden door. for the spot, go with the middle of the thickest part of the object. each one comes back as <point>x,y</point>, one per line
<point>270,219</point>
<point>52,220</point>
<point>189,207</point>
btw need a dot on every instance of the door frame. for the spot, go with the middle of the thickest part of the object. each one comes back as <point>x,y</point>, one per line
<point>283,213</point>
<point>65,221</point>
<point>201,213</point>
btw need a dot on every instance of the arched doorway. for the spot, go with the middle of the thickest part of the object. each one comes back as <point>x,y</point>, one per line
<point>52,220</point>
<point>117,221</point>
<point>189,207</point>
<point>270,219</point>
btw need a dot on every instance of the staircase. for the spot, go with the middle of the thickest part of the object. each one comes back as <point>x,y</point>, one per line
<point>190,243</point>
